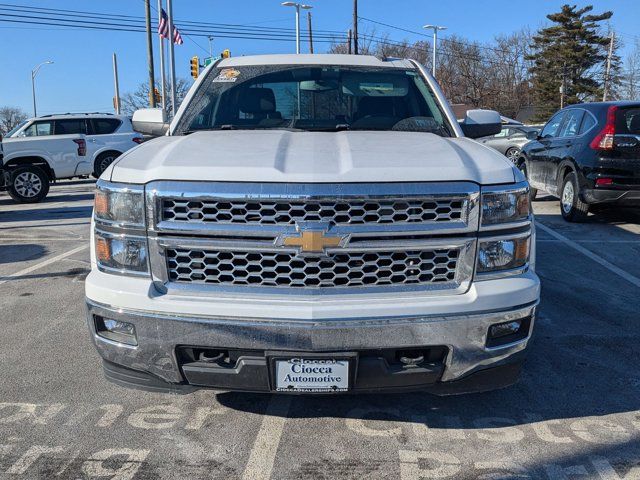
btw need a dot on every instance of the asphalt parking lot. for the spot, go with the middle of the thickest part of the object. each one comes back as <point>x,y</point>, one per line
<point>575,413</point>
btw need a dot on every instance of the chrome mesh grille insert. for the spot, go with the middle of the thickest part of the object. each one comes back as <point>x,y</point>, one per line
<point>326,270</point>
<point>334,212</point>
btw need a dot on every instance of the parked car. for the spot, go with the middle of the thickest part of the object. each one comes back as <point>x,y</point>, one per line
<point>588,155</point>
<point>53,147</point>
<point>313,224</point>
<point>510,140</point>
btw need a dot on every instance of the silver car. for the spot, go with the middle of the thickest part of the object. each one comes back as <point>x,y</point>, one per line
<point>509,141</point>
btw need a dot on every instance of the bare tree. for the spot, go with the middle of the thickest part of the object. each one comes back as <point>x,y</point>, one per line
<point>10,117</point>
<point>630,77</point>
<point>494,75</point>
<point>133,101</point>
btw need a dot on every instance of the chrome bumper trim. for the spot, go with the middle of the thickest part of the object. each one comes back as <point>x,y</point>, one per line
<point>159,334</point>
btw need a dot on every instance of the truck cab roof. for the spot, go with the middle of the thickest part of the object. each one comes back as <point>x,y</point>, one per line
<point>315,59</point>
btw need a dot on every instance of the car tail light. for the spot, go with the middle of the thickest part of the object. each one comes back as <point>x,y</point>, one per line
<point>604,181</point>
<point>138,140</point>
<point>82,146</point>
<point>604,139</point>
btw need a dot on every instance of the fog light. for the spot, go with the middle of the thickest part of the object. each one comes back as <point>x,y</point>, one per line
<point>508,332</point>
<point>116,330</point>
<point>502,329</point>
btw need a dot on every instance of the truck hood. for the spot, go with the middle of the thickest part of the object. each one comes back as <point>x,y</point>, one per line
<point>312,157</point>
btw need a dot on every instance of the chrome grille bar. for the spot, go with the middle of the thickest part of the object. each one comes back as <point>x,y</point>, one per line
<point>212,237</point>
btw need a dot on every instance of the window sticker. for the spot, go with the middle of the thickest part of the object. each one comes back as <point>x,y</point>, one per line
<point>227,75</point>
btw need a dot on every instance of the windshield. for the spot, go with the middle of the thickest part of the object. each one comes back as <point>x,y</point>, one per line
<point>313,98</point>
<point>16,128</point>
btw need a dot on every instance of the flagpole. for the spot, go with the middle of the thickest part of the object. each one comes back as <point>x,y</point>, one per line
<point>172,63</point>
<point>162,72</point>
<point>147,15</point>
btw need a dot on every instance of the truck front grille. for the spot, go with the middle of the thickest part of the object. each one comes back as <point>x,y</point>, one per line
<point>336,212</point>
<point>312,239</point>
<point>330,270</point>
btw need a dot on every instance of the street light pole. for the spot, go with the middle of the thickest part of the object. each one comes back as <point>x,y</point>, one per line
<point>34,72</point>
<point>435,29</point>
<point>298,6</point>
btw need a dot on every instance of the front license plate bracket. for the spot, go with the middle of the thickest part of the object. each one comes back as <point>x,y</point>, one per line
<point>275,360</point>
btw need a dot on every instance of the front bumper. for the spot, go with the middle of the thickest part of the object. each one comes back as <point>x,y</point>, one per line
<point>154,361</point>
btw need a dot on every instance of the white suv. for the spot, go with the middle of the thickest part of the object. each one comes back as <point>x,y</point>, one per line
<point>52,147</point>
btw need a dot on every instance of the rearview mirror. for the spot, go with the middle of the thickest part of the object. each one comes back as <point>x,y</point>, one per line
<point>150,121</point>
<point>481,123</point>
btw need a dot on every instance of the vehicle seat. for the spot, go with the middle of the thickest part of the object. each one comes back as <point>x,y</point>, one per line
<point>260,103</point>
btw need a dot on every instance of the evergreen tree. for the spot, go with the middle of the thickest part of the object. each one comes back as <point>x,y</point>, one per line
<point>572,49</point>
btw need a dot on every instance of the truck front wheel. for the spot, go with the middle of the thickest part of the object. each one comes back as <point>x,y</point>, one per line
<point>29,184</point>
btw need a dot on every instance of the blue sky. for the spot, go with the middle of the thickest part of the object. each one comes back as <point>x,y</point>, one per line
<point>81,77</point>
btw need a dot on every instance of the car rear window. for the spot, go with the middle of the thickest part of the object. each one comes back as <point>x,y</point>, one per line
<point>628,120</point>
<point>105,126</point>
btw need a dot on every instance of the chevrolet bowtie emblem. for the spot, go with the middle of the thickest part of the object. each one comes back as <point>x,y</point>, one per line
<point>312,241</point>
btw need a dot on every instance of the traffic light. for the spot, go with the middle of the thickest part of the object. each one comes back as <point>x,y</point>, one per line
<point>195,66</point>
<point>226,53</point>
<point>157,95</point>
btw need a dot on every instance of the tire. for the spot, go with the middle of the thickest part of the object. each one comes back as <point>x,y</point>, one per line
<point>103,161</point>
<point>571,207</point>
<point>512,154</point>
<point>29,184</point>
<point>523,168</point>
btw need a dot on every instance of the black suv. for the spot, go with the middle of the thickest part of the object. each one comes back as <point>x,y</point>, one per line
<point>587,154</point>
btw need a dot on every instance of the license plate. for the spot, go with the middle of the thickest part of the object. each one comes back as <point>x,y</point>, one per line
<point>313,375</point>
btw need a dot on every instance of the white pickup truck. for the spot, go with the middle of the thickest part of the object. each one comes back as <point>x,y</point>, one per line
<point>313,224</point>
<point>53,147</point>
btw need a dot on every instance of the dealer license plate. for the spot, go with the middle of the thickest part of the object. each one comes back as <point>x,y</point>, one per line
<point>311,375</point>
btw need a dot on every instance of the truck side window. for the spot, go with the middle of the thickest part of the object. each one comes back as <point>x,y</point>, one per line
<point>572,123</point>
<point>39,129</point>
<point>105,126</point>
<point>552,127</point>
<point>70,126</point>
<point>587,123</point>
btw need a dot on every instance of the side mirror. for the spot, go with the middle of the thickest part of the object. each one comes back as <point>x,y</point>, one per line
<point>481,123</point>
<point>533,135</point>
<point>150,121</point>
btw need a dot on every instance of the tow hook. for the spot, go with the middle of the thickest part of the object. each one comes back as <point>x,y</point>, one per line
<point>412,361</point>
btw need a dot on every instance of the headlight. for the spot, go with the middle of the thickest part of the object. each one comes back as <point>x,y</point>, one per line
<point>121,253</point>
<point>119,204</point>
<point>505,205</point>
<point>497,255</point>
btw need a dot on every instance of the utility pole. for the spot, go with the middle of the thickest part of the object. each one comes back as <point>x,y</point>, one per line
<point>116,99</point>
<point>563,85</point>
<point>172,60</point>
<point>210,46</point>
<point>310,32</point>
<point>147,15</point>
<point>163,80</point>
<point>349,42</point>
<point>355,27</point>
<point>606,75</point>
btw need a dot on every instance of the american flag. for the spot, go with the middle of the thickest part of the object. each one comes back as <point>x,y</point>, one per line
<point>163,29</point>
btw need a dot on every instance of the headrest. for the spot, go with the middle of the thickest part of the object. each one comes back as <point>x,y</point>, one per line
<point>258,100</point>
<point>378,106</point>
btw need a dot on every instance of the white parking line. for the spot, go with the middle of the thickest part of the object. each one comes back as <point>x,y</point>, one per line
<point>265,446</point>
<point>588,253</point>
<point>40,265</point>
